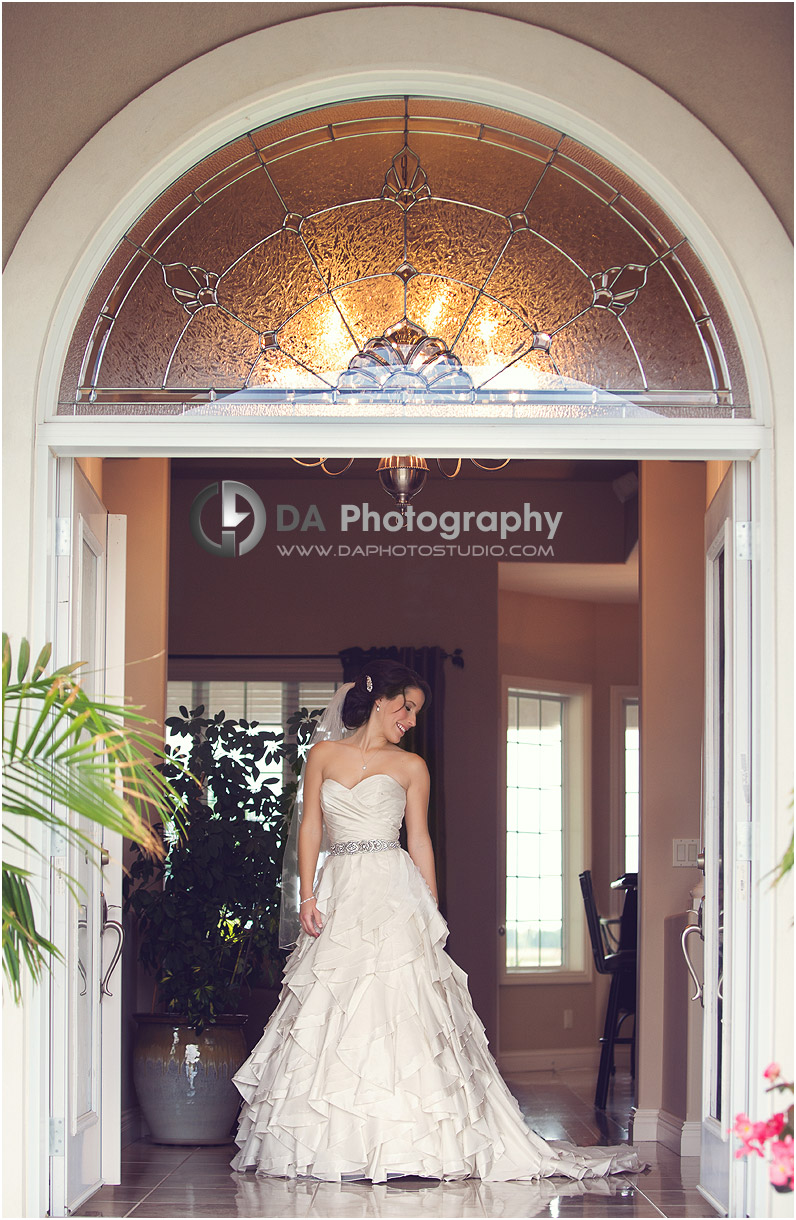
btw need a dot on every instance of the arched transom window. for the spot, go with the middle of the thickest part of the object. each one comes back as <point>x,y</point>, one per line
<point>402,249</point>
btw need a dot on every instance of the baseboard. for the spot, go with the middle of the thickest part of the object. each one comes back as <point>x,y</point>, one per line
<point>661,1127</point>
<point>644,1126</point>
<point>547,1061</point>
<point>133,1125</point>
<point>691,1139</point>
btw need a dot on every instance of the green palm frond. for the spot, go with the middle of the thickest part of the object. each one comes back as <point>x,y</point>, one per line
<point>67,759</point>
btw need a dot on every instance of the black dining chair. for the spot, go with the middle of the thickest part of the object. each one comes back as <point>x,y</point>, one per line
<point>621,965</point>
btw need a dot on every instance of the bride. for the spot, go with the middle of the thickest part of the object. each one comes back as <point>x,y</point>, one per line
<point>374,1064</point>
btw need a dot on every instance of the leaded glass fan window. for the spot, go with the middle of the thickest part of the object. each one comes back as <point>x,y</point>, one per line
<point>404,254</point>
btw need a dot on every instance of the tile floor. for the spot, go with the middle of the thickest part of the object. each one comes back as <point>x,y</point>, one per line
<point>169,1182</point>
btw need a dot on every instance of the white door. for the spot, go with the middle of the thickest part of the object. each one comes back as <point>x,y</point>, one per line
<point>84,1019</point>
<point>726,837</point>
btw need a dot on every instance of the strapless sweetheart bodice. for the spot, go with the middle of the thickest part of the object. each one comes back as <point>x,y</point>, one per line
<point>374,1064</point>
<point>372,809</point>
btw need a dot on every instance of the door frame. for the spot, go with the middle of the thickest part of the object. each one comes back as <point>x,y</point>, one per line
<point>727,775</point>
<point>102,435</point>
<point>482,56</point>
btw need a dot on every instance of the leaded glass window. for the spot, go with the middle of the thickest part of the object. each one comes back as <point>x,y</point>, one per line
<point>403,253</point>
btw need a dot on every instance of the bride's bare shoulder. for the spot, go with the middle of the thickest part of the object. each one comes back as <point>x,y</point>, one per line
<point>416,768</point>
<point>324,750</point>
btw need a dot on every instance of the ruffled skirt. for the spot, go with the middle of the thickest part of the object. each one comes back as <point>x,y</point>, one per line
<point>374,1064</point>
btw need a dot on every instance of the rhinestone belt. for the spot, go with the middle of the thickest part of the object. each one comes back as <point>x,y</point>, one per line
<point>357,845</point>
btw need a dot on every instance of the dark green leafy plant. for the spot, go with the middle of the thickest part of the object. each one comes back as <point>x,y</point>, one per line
<point>209,912</point>
<point>67,757</point>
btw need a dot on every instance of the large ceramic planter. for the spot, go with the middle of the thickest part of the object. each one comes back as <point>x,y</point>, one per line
<point>184,1079</point>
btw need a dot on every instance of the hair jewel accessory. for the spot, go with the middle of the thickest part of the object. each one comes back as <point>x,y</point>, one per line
<point>369,683</point>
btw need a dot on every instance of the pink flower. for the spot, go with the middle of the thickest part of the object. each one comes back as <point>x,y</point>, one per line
<point>774,1126</point>
<point>749,1134</point>
<point>780,1171</point>
<point>772,1071</point>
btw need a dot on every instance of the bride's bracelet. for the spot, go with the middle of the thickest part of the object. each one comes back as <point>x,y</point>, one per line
<point>310,899</point>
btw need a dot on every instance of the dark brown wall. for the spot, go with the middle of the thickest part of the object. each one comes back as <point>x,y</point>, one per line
<point>264,603</point>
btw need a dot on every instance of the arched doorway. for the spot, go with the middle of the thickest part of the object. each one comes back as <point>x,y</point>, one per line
<point>503,83</point>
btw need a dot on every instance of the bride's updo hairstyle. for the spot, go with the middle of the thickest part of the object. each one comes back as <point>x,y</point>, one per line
<point>380,680</point>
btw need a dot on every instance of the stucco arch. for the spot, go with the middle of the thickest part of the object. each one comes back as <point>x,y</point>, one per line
<point>450,53</point>
<point>382,49</point>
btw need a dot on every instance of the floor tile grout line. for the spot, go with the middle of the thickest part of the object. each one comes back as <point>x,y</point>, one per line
<point>145,1196</point>
<point>651,1201</point>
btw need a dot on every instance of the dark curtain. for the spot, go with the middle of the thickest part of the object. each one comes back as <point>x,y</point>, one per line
<point>427,736</point>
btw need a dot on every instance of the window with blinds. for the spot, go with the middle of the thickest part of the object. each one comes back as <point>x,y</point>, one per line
<point>546,818</point>
<point>268,703</point>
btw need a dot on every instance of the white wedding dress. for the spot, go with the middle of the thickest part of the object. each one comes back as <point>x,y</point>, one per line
<point>374,1063</point>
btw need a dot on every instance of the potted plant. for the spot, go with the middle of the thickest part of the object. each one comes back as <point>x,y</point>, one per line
<point>208,920</point>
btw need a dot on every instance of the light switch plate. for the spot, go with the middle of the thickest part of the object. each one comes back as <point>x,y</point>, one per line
<point>684,853</point>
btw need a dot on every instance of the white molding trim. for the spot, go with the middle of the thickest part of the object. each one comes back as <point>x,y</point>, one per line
<point>661,1127</point>
<point>691,1139</point>
<point>513,1062</point>
<point>319,59</point>
<point>88,436</point>
<point>644,1126</point>
<point>455,53</point>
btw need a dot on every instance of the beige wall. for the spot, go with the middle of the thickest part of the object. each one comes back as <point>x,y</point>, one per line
<point>92,469</point>
<point>714,474</point>
<point>554,639</point>
<point>57,238</point>
<point>672,647</point>
<point>69,67</point>
<point>139,489</point>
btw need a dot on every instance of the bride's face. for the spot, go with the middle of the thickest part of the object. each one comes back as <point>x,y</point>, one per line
<point>399,715</point>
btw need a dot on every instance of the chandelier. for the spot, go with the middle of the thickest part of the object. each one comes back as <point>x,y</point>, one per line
<point>407,361</point>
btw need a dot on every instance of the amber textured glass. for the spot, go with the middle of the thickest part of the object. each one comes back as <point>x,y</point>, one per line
<point>539,283</point>
<point>456,241</point>
<point>349,243</point>
<point>438,305</point>
<point>270,282</point>
<point>476,172</point>
<point>233,173</point>
<point>231,222</point>
<point>534,371</point>
<point>321,117</point>
<point>582,225</point>
<point>87,322</point>
<point>687,270</point>
<point>214,351</point>
<point>667,343</point>
<point>596,349</point>
<point>487,116</point>
<point>319,338</point>
<point>371,306</point>
<point>276,370</point>
<point>333,173</point>
<point>192,180</point>
<point>492,337</point>
<point>295,244</point>
<point>137,352</point>
<point>623,185</point>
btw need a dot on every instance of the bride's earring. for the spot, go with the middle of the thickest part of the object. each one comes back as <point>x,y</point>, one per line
<point>378,707</point>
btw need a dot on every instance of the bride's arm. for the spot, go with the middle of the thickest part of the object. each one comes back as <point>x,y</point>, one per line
<point>309,841</point>
<point>418,840</point>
